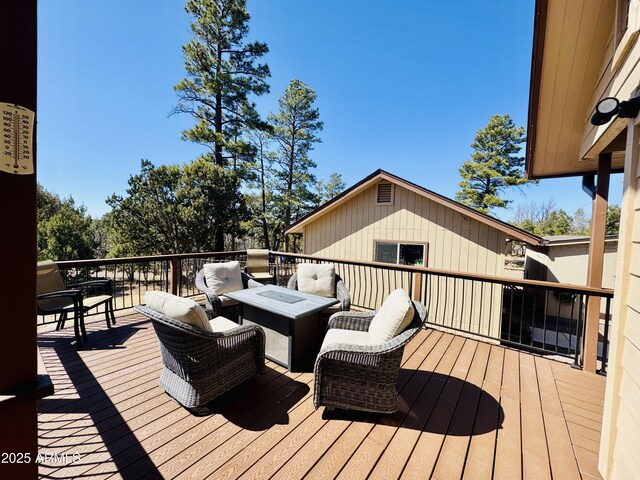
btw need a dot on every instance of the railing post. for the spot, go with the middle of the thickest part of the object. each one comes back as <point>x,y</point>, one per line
<point>417,286</point>
<point>174,275</point>
<point>596,261</point>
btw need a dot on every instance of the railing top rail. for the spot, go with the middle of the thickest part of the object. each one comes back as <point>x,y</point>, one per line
<point>148,258</point>
<point>580,289</point>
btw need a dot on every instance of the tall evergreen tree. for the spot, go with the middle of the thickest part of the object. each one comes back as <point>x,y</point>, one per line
<point>295,129</point>
<point>263,218</point>
<point>222,71</point>
<point>329,189</point>
<point>494,165</point>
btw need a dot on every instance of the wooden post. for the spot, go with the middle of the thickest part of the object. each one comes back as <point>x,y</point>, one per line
<point>174,275</point>
<point>18,342</point>
<point>417,286</point>
<point>596,261</point>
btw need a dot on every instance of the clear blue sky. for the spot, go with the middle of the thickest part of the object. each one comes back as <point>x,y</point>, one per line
<point>402,86</point>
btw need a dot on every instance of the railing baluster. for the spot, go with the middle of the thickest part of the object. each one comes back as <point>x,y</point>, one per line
<point>605,340</point>
<point>558,318</point>
<point>576,360</point>
<point>370,283</point>
<point>510,311</point>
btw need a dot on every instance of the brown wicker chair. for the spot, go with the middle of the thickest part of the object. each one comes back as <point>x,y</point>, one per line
<point>362,377</point>
<point>56,298</point>
<point>200,365</point>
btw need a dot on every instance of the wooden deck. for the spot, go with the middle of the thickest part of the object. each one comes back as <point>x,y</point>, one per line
<point>468,410</point>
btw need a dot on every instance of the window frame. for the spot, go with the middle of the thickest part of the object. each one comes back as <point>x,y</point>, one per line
<point>424,245</point>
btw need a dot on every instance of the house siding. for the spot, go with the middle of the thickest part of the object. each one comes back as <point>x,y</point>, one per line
<point>568,264</point>
<point>454,242</point>
<point>621,422</point>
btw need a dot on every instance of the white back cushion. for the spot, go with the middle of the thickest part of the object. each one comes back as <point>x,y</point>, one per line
<point>318,279</point>
<point>181,309</point>
<point>223,277</point>
<point>394,316</point>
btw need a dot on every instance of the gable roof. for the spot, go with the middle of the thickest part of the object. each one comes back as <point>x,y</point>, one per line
<point>512,232</point>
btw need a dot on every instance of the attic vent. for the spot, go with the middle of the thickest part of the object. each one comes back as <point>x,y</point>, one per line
<point>384,194</point>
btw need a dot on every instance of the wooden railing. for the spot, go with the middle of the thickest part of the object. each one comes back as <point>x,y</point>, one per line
<point>540,316</point>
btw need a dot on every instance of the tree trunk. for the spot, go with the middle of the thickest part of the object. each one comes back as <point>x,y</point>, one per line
<point>287,210</point>
<point>219,239</point>
<point>265,227</point>
<point>219,160</point>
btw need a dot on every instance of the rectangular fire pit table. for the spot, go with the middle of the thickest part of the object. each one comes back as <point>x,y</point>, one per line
<point>289,319</point>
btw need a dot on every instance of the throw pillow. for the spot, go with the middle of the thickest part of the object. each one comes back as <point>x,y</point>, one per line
<point>181,309</point>
<point>394,316</point>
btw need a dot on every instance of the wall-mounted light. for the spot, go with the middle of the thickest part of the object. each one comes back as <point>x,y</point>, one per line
<point>610,106</point>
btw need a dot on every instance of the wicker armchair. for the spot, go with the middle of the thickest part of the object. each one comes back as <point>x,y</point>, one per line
<point>342,293</point>
<point>217,304</point>
<point>200,365</point>
<point>362,377</point>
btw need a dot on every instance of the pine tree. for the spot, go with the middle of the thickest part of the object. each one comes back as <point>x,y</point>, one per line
<point>494,165</point>
<point>294,129</point>
<point>329,189</point>
<point>221,73</point>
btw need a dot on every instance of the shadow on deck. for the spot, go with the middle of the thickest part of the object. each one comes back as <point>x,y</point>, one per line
<point>467,410</point>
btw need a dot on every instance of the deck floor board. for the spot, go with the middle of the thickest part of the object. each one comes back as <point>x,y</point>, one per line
<point>467,410</point>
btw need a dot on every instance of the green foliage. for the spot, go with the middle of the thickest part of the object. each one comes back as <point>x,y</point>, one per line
<point>221,72</point>
<point>557,223</point>
<point>295,129</point>
<point>581,224</point>
<point>260,197</point>
<point>173,209</point>
<point>545,219</point>
<point>613,220</point>
<point>64,230</point>
<point>494,165</point>
<point>329,189</point>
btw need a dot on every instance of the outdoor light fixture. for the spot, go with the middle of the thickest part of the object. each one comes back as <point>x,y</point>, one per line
<point>610,106</point>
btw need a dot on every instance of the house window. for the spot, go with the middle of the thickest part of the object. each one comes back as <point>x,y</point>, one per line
<point>400,253</point>
<point>384,193</point>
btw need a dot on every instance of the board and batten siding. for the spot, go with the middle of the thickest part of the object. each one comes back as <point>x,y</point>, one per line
<point>453,242</point>
<point>621,421</point>
<point>568,263</point>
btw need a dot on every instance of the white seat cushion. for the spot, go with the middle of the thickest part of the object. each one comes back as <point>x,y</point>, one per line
<point>180,309</point>
<point>352,337</point>
<point>318,279</point>
<point>221,324</point>
<point>223,277</point>
<point>394,316</point>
